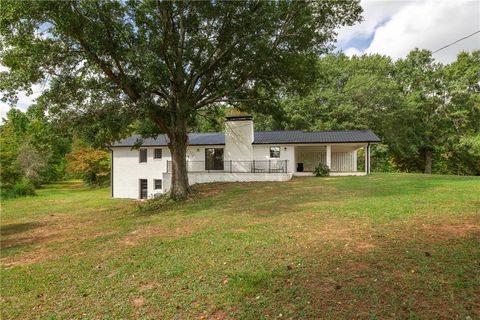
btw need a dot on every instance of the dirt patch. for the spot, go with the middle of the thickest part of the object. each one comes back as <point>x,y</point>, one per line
<point>158,231</point>
<point>357,267</point>
<point>362,246</point>
<point>206,190</point>
<point>219,315</point>
<point>449,231</point>
<point>138,302</point>
<point>52,230</point>
<point>128,241</point>
<point>27,258</point>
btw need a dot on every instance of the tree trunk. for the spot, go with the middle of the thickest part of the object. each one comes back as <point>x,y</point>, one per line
<point>428,162</point>
<point>180,188</point>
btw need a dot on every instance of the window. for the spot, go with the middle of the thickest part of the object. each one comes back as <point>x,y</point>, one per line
<point>157,154</point>
<point>158,184</point>
<point>274,152</point>
<point>214,159</point>
<point>143,155</point>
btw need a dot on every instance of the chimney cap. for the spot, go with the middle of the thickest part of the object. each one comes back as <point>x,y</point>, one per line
<point>239,118</point>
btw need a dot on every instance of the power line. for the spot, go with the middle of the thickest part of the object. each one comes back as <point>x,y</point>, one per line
<point>451,44</point>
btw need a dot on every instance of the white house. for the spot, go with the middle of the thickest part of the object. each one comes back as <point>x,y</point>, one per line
<point>238,154</point>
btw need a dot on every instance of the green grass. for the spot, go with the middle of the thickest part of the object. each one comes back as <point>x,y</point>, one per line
<point>398,246</point>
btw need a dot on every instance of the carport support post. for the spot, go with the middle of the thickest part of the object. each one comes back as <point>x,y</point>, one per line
<point>329,156</point>
<point>369,151</point>
<point>355,160</point>
<point>367,158</point>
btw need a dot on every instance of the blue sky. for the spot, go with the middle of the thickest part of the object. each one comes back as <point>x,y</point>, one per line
<point>394,28</point>
<point>391,28</point>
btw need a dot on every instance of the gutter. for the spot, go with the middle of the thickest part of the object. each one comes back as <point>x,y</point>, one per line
<point>256,143</point>
<point>111,168</point>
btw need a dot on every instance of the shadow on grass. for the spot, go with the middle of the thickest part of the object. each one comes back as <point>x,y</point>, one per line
<point>15,228</point>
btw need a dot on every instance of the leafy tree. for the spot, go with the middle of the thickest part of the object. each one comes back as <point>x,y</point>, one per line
<point>32,163</point>
<point>420,78</point>
<point>426,114</point>
<point>49,139</point>
<point>10,171</point>
<point>32,149</point>
<point>461,150</point>
<point>351,93</point>
<point>91,164</point>
<point>158,62</point>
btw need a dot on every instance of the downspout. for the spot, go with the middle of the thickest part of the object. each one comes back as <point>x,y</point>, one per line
<point>111,169</point>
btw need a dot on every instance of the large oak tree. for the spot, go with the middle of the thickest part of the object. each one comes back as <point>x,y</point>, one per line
<point>110,63</point>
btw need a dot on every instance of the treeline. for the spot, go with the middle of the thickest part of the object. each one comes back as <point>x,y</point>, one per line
<point>35,150</point>
<point>427,113</point>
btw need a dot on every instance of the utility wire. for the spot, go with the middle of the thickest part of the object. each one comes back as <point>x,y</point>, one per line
<point>451,44</point>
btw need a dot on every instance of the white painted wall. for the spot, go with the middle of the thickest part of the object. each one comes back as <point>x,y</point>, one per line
<point>287,152</point>
<point>127,171</point>
<point>201,177</point>
<point>238,141</point>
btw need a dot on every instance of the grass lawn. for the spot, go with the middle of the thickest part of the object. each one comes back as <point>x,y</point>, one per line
<point>386,246</point>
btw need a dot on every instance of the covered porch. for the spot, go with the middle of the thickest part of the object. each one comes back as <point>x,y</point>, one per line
<point>343,159</point>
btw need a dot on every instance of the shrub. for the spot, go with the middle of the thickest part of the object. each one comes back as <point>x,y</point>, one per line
<point>321,170</point>
<point>24,187</point>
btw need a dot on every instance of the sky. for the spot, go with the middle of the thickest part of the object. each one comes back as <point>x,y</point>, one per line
<point>393,28</point>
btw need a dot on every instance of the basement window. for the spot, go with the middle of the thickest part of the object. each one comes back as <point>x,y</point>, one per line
<point>274,152</point>
<point>143,155</point>
<point>157,154</point>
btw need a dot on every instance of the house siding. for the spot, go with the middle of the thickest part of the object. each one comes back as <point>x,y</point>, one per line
<point>127,171</point>
<point>287,152</point>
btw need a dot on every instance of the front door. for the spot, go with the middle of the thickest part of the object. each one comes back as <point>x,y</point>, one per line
<point>143,189</point>
<point>214,159</point>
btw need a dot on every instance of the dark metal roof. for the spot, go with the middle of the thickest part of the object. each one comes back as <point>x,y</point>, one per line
<point>263,137</point>
<point>214,138</point>
<point>287,137</point>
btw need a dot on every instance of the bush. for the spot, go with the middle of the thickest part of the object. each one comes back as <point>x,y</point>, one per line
<point>24,187</point>
<point>321,170</point>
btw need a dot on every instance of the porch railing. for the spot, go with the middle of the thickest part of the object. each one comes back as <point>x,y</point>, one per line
<point>233,166</point>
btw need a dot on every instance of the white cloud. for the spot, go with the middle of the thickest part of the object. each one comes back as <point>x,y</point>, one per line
<point>4,108</point>
<point>352,52</point>
<point>425,24</point>
<point>24,100</point>
<point>374,14</point>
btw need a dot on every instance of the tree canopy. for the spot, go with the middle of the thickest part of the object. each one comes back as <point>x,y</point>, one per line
<point>109,64</point>
<point>427,113</point>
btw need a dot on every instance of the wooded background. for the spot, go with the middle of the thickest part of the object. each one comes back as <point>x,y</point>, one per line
<point>422,110</point>
<point>110,69</point>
